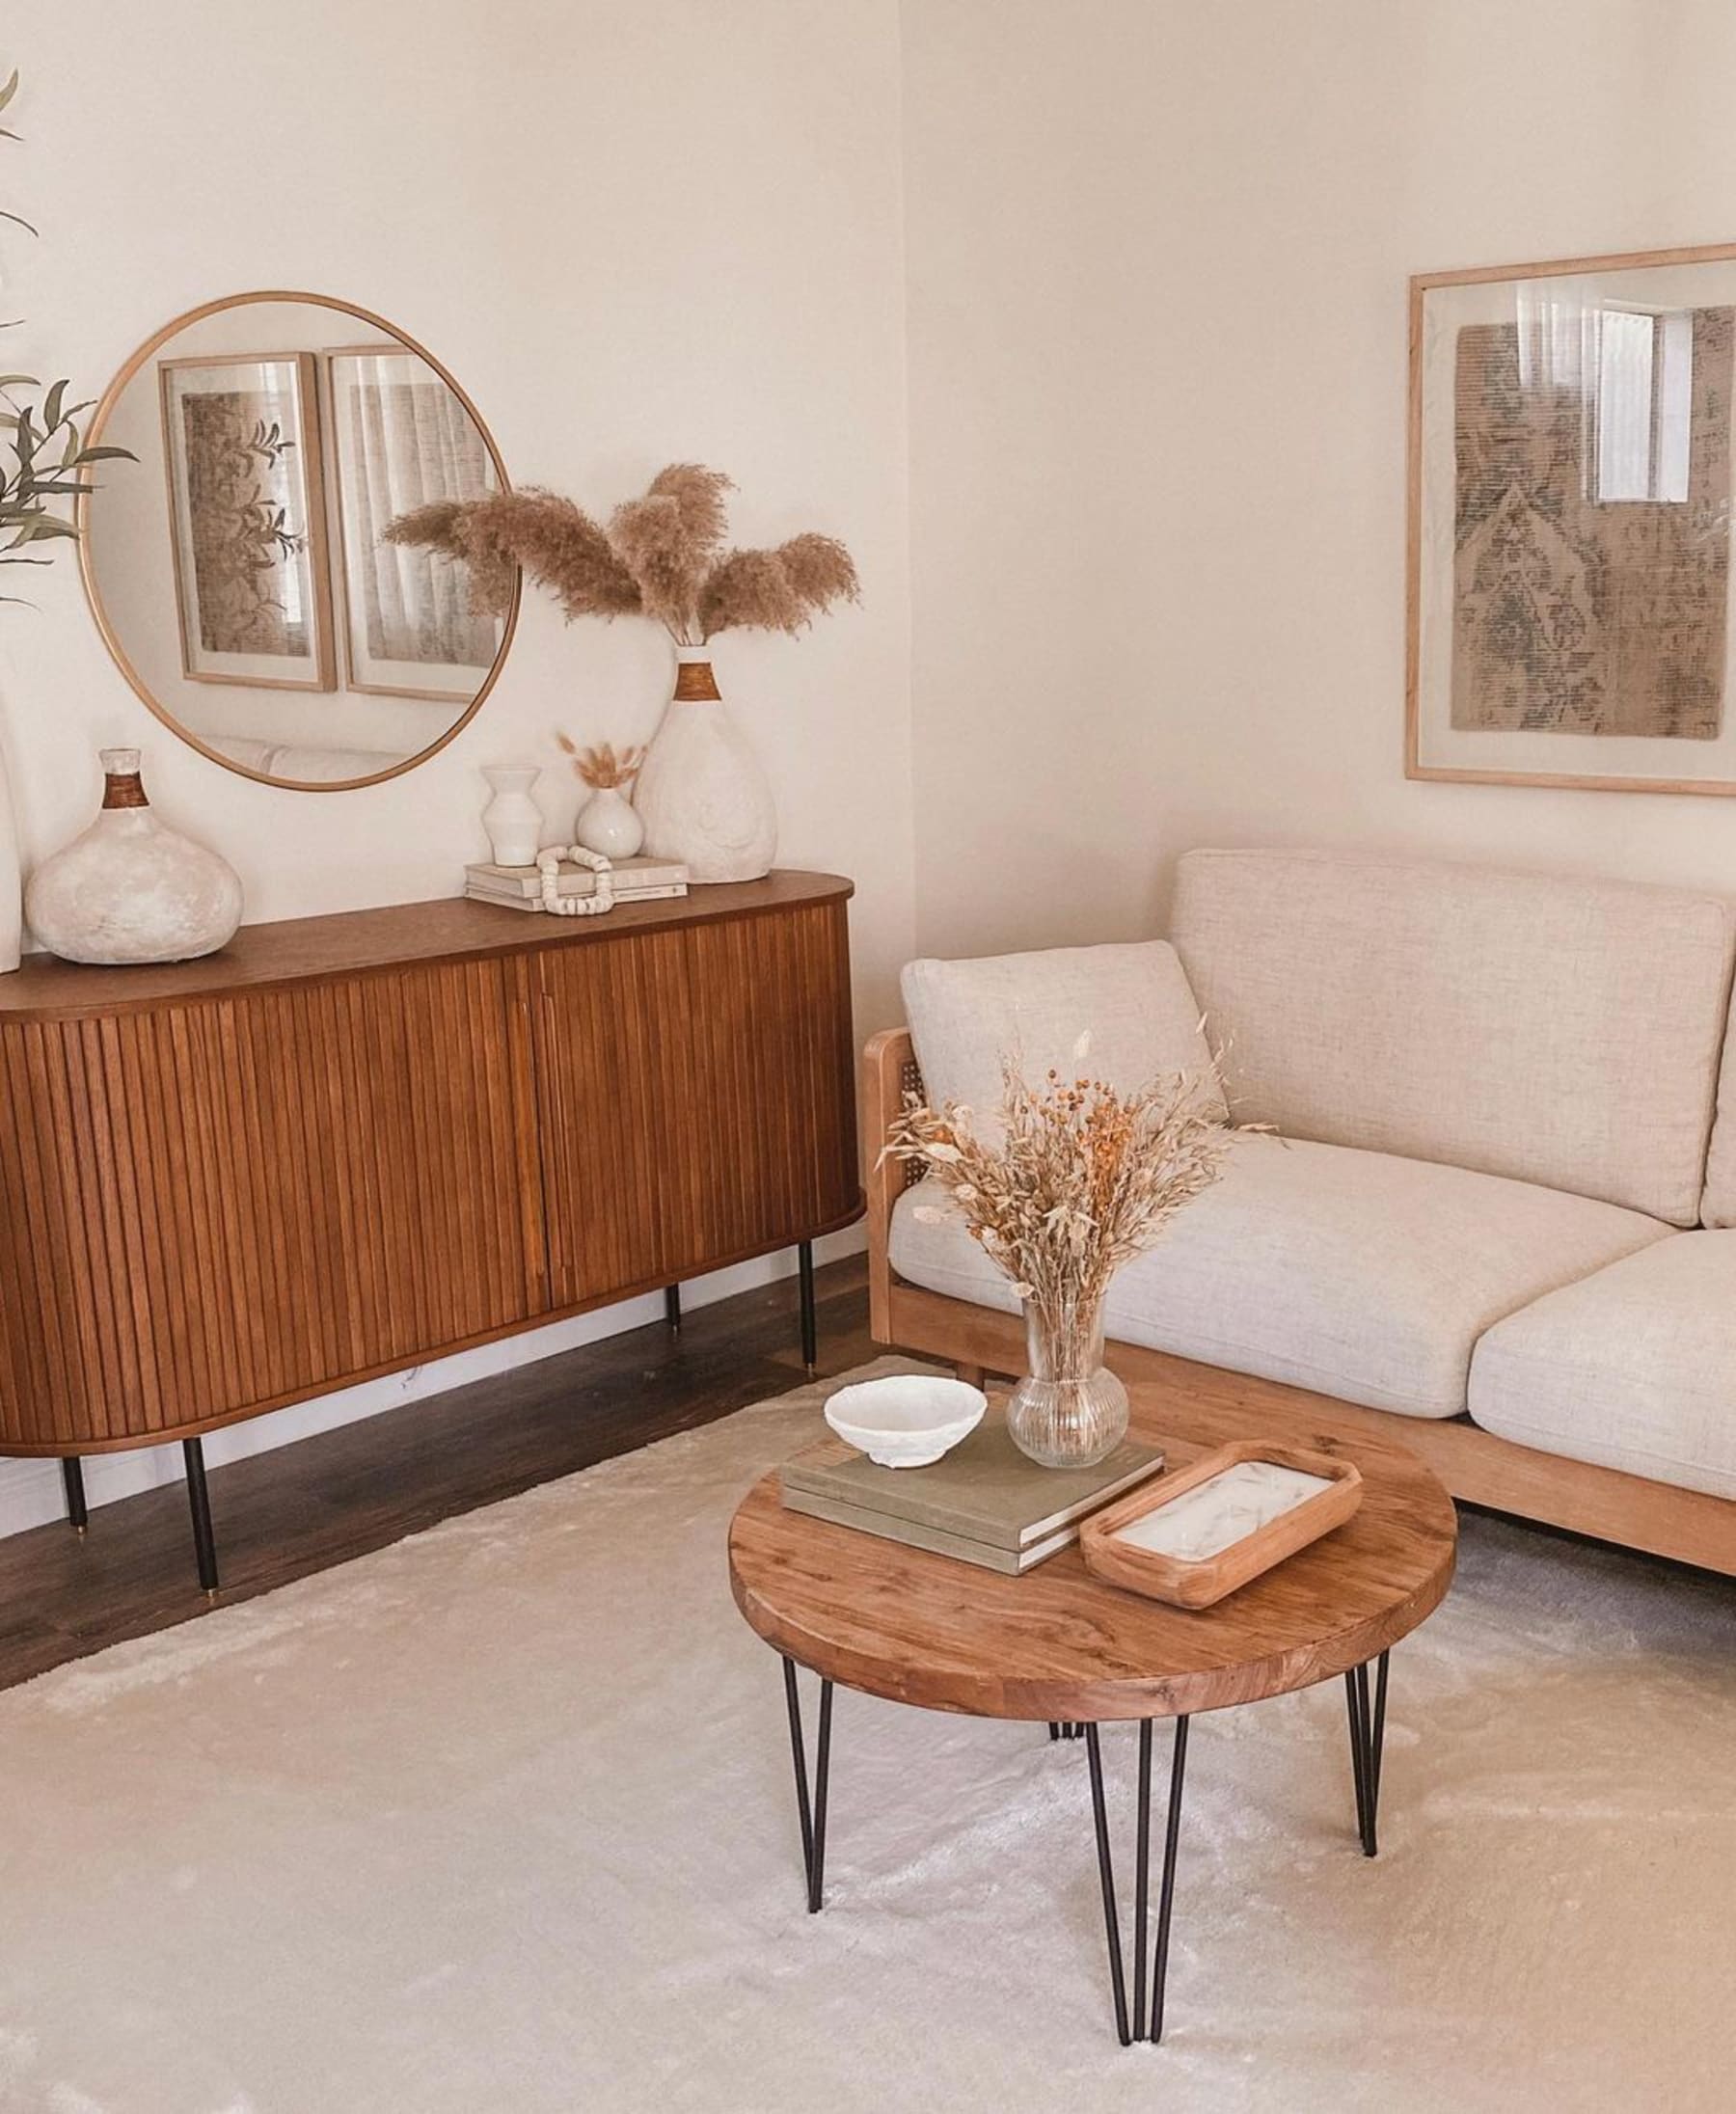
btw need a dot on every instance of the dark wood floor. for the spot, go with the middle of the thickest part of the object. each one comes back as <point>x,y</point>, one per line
<point>282,1515</point>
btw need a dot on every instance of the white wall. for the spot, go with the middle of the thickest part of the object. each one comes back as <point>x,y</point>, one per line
<point>1157,260</point>
<point>635,234</point>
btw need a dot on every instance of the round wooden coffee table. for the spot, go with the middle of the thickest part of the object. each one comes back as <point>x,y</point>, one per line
<point>1058,1645</point>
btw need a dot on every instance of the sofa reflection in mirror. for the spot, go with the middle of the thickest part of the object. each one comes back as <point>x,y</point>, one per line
<point>243,581</point>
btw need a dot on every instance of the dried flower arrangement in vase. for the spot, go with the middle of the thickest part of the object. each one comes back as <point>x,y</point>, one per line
<point>701,792</point>
<point>1071,1179</point>
<point>607,822</point>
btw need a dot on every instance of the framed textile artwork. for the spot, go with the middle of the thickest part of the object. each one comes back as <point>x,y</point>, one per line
<point>247,519</point>
<point>402,439</point>
<point>1568,603</point>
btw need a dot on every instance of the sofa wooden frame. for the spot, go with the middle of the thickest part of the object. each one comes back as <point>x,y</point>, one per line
<point>1476,1465</point>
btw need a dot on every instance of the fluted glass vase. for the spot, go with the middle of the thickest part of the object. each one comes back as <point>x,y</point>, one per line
<point>1070,1410</point>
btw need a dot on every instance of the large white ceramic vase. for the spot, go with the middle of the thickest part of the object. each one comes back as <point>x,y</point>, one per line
<point>704,798</point>
<point>130,888</point>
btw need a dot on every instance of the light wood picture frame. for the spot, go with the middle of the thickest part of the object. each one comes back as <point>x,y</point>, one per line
<point>1570,577</point>
<point>244,456</point>
<point>401,438</point>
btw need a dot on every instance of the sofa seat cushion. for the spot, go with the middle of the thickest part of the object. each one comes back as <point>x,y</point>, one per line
<point>1358,1274</point>
<point>1632,1368</point>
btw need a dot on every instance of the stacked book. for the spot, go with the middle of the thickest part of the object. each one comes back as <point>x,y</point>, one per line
<point>983,1503</point>
<point>636,880</point>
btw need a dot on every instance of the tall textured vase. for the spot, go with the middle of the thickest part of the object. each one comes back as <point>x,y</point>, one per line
<point>11,883</point>
<point>703,796</point>
<point>130,888</point>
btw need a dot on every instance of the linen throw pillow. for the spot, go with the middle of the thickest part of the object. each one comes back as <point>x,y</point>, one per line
<point>1134,1000</point>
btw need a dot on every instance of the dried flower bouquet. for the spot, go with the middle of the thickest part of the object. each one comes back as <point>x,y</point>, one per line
<point>1071,1179</point>
<point>660,556</point>
<point>601,767</point>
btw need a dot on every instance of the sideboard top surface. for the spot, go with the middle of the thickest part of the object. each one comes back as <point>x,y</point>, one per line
<point>304,950</point>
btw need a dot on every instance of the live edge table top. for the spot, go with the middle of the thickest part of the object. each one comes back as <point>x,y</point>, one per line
<point>1058,1643</point>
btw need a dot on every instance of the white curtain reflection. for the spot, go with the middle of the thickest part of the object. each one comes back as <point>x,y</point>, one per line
<point>1633,371</point>
<point>410,442</point>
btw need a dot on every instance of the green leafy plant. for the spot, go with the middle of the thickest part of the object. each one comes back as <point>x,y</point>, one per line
<point>44,459</point>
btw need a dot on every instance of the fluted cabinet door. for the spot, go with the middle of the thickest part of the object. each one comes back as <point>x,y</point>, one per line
<point>696,1097</point>
<point>215,1207</point>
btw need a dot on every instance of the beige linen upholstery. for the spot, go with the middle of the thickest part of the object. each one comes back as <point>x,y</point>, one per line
<point>1633,1368</point>
<point>1358,1274</point>
<point>1718,1207</point>
<point>1561,1032</point>
<point>1133,1000</point>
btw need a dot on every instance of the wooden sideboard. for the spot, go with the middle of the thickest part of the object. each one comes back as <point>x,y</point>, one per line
<point>346,1144</point>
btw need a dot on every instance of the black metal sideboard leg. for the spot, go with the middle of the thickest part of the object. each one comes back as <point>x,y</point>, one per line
<point>810,1320</point>
<point>1138,2029</point>
<point>1367,1744</point>
<point>810,1813</point>
<point>198,1499</point>
<point>672,1308</point>
<point>78,1512</point>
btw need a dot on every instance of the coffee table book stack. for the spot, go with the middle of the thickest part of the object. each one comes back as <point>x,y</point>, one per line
<point>984,1503</point>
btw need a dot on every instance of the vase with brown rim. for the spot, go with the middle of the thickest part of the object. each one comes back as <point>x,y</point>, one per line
<point>701,792</point>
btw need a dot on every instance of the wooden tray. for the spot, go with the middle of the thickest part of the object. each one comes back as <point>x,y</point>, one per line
<point>1199,1582</point>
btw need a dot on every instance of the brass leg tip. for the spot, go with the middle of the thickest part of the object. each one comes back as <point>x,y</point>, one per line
<point>210,1593</point>
<point>812,1371</point>
<point>81,1532</point>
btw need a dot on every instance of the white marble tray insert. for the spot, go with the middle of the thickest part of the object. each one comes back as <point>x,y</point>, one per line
<point>1222,1510</point>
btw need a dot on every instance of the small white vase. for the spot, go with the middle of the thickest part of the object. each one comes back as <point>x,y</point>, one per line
<point>609,824</point>
<point>12,887</point>
<point>701,792</point>
<point>512,818</point>
<point>130,888</point>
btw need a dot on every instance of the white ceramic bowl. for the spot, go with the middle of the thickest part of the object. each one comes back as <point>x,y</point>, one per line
<point>908,1420</point>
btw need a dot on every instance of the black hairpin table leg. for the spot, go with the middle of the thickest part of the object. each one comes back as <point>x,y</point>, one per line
<point>1138,2028</point>
<point>78,1512</point>
<point>810,1811</point>
<point>1367,1743</point>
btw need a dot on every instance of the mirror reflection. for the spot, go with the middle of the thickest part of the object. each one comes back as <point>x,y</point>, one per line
<point>240,570</point>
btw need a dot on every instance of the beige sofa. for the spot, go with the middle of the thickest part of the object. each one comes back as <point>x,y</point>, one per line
<point>1502,1200</point>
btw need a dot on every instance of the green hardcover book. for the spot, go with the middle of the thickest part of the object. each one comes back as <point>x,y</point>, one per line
<point>984,1491</point>
<point>909,1531</point>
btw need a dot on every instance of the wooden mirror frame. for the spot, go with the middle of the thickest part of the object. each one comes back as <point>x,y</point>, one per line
<point>99,422</point>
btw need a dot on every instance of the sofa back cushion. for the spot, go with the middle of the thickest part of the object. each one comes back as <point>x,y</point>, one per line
<point>1133,1000</point>
<point>1558,1031</point>
<point>1718,1207</point>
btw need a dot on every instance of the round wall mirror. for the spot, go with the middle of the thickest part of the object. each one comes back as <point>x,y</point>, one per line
<point>240,570</point>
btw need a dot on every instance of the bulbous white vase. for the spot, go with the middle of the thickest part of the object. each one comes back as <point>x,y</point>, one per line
<point>512,818</point>
<point>701,792</point>
<point>608,822</point>
<point>130,888</point>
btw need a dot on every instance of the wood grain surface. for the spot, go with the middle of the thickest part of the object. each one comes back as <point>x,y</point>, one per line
<point>237,1182</point>
<point>302,950</point>
<point>1058,1643</point>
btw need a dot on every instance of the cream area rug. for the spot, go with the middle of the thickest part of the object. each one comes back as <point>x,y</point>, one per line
<point>500,1821</point>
